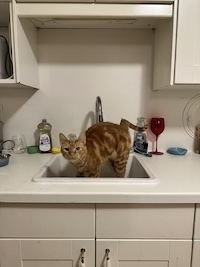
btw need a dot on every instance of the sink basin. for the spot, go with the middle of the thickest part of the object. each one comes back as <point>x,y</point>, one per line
<point>59,170</point>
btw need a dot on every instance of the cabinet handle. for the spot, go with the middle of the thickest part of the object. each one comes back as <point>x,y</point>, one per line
<point>82,259</point>
<point>108,257</point>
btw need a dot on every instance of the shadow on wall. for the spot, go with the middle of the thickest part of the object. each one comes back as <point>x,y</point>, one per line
<point>88,121</point>
<point>13,99</point>
<point>92,46</point>
<point>169,104</point>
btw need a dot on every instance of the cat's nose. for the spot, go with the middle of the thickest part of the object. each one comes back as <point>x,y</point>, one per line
<point>71,153</point>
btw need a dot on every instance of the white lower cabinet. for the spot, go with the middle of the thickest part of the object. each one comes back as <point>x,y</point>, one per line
<point>69,253</point>
<point>144,235</point>
<point>47,235</point>
<point>196,244</point>
<point>196,254</point>
<point>47,253</point>
<point>143,253</point>
<point>101,235</point>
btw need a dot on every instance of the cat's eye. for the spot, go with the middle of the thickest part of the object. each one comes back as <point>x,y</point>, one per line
<point>78,148</point>
<point>66,149</point>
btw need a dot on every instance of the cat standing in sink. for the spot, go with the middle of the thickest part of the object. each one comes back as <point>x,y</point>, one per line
<point>101,142</point>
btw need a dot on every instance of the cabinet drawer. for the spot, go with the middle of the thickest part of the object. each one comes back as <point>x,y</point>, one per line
<point>197,223</point>
<point>47,220</point>
<point>144,221</point>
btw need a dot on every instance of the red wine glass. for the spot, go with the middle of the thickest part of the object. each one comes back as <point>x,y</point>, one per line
<point>157,127</point>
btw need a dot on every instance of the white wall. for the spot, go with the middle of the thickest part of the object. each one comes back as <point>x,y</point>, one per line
<point>78,65</point>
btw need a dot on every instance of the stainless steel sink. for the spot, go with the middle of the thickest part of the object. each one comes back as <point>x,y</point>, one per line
<point>59,170</point>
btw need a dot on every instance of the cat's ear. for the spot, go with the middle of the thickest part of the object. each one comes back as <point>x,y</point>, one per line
<point>82,138</point>
<point>62,138</point>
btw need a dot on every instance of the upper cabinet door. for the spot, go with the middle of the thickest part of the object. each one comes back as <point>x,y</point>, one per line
<point>19,62</point>
<point>26,51</point>
<point>176,50</point>
<point>7,58</point>
<point>187,67</point>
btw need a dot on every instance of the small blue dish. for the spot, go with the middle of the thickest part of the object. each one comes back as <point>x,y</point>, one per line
<point>4,159</point>
<point>177,151</point>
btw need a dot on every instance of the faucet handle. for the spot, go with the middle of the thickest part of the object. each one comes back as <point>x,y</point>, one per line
<point>100,117</point>
<point>99,110</point>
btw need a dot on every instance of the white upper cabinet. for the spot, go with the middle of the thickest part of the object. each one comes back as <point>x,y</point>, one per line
<point>26,47</point>
<point>29,17</point>
<point>7,59</point>
<point>21,50</point>
<point>187,67</point>
<point>175,23</point>
<point>176,52</point>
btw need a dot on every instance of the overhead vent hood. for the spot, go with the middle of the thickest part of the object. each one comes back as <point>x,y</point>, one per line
<point>92,15</point>
<point>95,23</point>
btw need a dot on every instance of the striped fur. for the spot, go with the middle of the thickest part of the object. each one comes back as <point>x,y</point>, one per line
<point>101,142</point>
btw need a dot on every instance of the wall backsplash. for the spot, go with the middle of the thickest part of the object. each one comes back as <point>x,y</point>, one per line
<point>77,65</point>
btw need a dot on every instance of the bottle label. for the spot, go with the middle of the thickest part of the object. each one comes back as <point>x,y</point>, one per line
<point>139,142</point>
<point>44,144</point>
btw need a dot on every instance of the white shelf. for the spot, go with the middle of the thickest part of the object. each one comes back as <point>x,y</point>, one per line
<point>7,81</point>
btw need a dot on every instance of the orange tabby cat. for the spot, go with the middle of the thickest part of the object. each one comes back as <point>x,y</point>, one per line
<point>101,142</point>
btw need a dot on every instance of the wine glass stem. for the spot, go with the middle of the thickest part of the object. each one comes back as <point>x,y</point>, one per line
<point>156,143</point>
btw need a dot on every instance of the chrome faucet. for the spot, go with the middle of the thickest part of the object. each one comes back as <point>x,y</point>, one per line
<point>99,110</point>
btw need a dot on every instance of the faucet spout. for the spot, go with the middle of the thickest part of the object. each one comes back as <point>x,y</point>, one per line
<point>99,110</point>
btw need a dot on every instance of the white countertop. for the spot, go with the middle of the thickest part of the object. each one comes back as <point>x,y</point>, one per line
<point>178,182</point>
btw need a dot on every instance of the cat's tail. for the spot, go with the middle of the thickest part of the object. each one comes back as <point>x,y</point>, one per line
<point>132,126</point>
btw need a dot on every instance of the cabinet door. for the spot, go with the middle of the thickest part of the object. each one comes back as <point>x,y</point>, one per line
<point>135,1</point>
<point>143,253</point>
<point>25,50</point>
<point>6,30</point>
<point>55,1</point>
<point>196,254</point>
<point>46,253</point>
<point>197,223</point>
<point>187,67</point>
